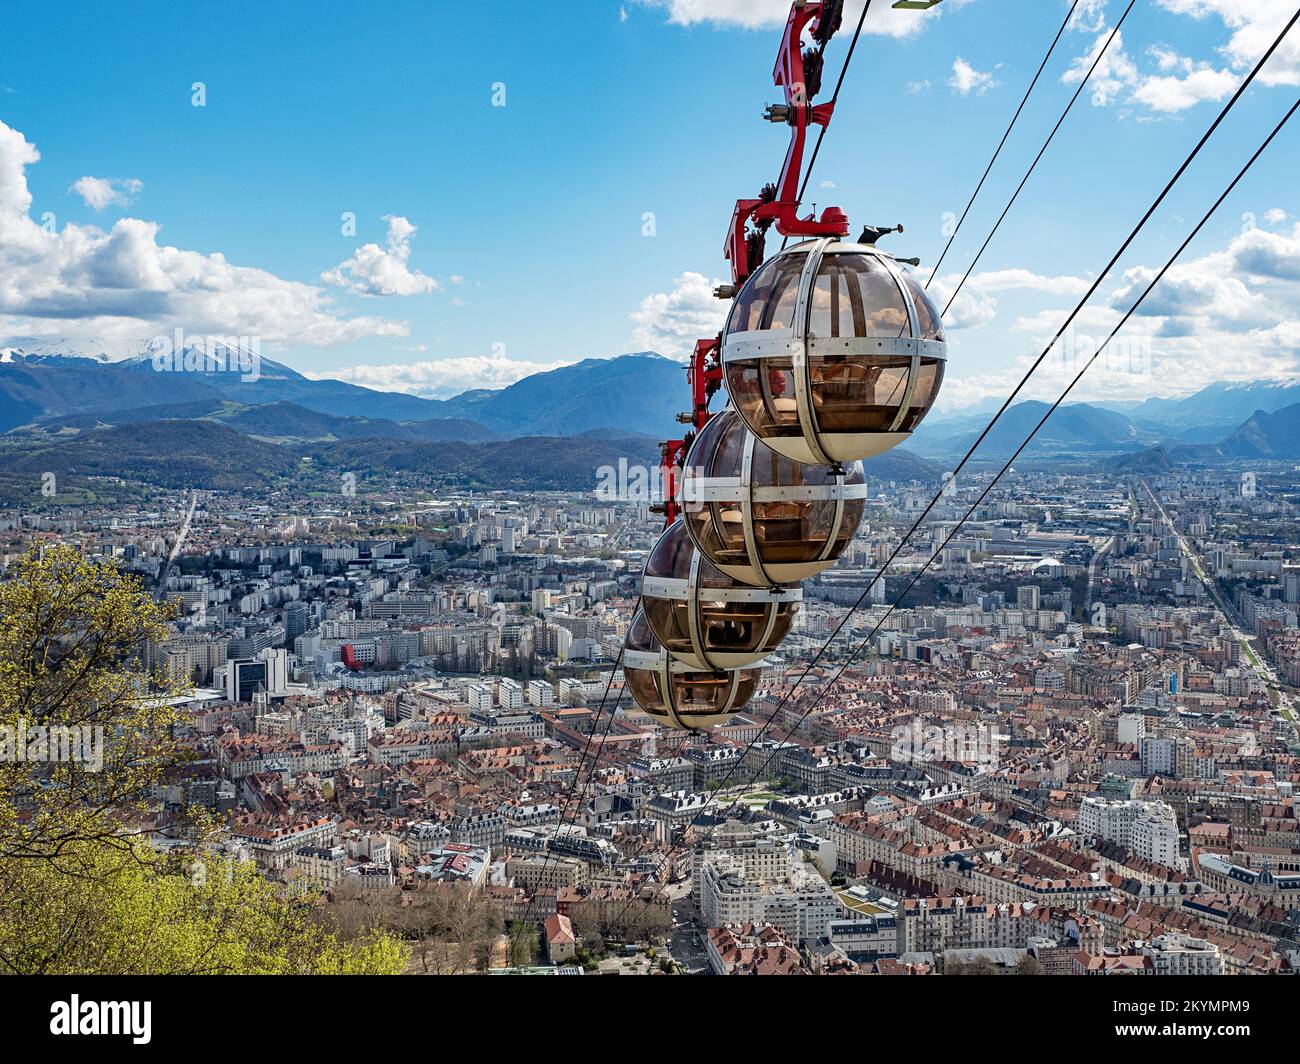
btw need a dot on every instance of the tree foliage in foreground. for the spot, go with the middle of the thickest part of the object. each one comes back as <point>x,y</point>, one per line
<point>80,889</point>
<point>132,912</point>
<point>71,636</point>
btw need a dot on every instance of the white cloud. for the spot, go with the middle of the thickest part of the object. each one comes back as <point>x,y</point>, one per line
<point>918,87</point>
<point>1181,82</point>
<point>976,305</point>
<point>1172,93</point>
<point>1003,280</point>
<point>442,378</point>
<point>1047,322</point>
<point>1254,24</point>
<point>971,309</point>
<point>383,271</point>
<point>1167,59</point>
<point>1221,301</point>
<point>123,288</point>
<point>1228,315</point>
<point>671,322</point>
<point>101,192</point>
<point>772,14</point>
<point>1275,215</point>
<point>1089,16</point>
<point>966,79</point>
<point>1114,73</point>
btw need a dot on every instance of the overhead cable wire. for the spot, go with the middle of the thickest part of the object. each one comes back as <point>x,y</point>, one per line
<point>998,151</point>
<point>577,779</point>
<point>1041,151</point>
<point>1019,387</point>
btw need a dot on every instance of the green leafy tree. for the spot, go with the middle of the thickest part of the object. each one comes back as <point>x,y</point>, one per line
<point>131,911</point>
<point>81,891</point>
<point>71,635</point>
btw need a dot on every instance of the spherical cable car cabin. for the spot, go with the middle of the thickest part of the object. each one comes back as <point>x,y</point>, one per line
<point>833,352</point>
<point>706,618</point>
<point>762,518</point>
<point>674,693</point>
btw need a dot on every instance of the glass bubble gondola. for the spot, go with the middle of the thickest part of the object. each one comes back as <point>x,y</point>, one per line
<point>675,694</point>
<point>705,618</point>
<point>833,352</point>
<point>762,518</point>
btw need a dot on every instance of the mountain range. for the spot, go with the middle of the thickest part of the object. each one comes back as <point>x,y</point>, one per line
<point>1223,420</point>
<point>1220,405</point>
<point>86,416</point>
<point>635,393</point>
<point>1263,436</point>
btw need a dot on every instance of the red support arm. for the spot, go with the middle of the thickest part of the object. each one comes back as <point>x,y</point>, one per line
<point>778,205</point>
<point>705,374</point>
<point>789,75</point>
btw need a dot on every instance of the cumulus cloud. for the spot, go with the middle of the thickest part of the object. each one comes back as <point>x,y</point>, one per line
<point>1228,315</point>
<point>101,192</point>
<point>441,378</point>
<point>1115,71</point>
<point>1189,293</point>
<point>123,287</point>
<point>1179,92</point>
<point>772,14</point>
<point>1254,282</point>
<point>1253,26</point>
<point>1179,82</point>
<point>383,271</point>
<point>966,79</point>
<point>976,304</point>
<point>1003,280</point>
<point>1089,16</point>
<point>671,322</point>
<point>971,309</point>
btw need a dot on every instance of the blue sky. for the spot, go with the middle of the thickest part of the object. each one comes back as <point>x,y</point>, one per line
<point>495,240</point>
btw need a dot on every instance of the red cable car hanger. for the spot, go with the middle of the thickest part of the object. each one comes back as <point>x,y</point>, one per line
<point>799,74</point>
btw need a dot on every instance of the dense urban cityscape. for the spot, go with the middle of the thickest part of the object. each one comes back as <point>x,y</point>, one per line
<point>1071,750</point>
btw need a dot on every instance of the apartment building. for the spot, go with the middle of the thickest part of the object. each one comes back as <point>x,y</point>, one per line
<point>1148,829</point>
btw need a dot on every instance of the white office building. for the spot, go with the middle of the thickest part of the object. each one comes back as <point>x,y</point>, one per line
<point>765,881</point>
<point>1148,829</point>
<point>1175,954</point>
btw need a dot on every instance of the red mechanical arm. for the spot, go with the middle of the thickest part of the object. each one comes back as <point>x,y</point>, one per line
<point>705,373</point>
<point>781,205</point>
<point>777,205</point>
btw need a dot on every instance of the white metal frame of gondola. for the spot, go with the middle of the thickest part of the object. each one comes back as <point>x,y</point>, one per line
<point>664,666</point>
<point>745,495</point>
<point>693,593</point>
<point>796,343</point>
